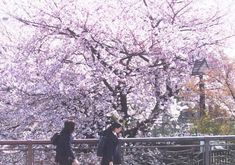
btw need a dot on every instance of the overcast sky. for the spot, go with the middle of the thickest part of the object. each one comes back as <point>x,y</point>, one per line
<point>229,5</point>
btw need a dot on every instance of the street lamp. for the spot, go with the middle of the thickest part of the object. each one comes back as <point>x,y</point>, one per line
<point>199,69</point>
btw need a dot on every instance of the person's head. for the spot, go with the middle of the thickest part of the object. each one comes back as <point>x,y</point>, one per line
<point>69,126</point>
<point>116,127</point>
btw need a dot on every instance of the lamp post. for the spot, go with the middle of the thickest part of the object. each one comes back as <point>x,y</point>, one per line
<point>199,69</point>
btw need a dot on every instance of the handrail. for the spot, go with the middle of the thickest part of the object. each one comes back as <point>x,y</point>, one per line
<point>206,139</point>
<point>145,139</point>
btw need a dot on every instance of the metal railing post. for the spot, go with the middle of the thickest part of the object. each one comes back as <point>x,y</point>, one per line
<point>207,151</point>
<point>122,152</point>
<point>30,154</point>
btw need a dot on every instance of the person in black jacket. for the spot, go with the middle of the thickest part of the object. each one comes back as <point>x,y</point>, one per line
<point>112,155</point>
<point>64,153</point>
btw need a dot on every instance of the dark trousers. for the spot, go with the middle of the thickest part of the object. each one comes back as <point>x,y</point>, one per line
<point>105,162</point>
<point>64,163</point>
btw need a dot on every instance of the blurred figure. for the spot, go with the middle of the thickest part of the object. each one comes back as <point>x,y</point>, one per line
<point>64,153</point>
<point>112,155</point>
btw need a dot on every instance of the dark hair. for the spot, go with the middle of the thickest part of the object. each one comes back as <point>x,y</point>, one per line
<point>110,129</point>
<point>69,126</point>
<point>115,125</point>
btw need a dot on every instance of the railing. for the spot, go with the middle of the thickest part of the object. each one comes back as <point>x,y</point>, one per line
<point>203,150</point>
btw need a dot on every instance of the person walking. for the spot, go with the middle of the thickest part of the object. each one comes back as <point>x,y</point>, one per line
<point>111,153</point>
<point>64,153</point>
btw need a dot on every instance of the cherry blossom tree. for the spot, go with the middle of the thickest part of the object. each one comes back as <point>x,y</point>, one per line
<point>87,60</point>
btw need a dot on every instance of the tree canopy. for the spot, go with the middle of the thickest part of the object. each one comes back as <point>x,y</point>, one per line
<point>85,60</point>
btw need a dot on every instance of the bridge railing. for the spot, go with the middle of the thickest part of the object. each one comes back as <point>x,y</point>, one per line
<point>200,150</point>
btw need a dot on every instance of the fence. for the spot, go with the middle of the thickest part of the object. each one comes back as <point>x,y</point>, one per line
<point>202,150</point>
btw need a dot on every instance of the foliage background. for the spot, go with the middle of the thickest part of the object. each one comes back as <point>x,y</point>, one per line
<point>89,60</point>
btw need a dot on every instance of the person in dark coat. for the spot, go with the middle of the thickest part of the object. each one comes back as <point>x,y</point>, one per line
<point>112,155</point>
<point>64,153</point>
